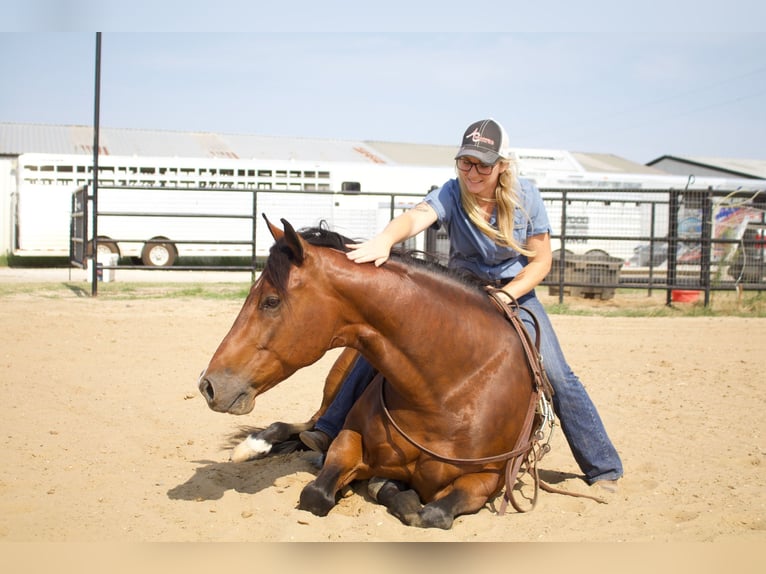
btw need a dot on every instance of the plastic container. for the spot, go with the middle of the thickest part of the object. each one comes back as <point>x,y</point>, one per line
<point>107,275</point>
<point>684,296</point>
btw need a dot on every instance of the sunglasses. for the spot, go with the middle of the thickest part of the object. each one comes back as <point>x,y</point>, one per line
<point>465,165</point>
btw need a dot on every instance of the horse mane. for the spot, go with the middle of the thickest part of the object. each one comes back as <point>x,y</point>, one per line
<point>432,263</point>
<point>278,263</point>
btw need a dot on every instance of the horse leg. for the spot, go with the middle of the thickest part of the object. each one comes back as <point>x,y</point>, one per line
<point>277,438</point>
<point>401,501</point>
<point>342,466</point>
<point>466,496</point>
<point>282,438</point>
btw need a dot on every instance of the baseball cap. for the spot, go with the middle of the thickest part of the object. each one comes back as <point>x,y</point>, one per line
<point>486,141</point>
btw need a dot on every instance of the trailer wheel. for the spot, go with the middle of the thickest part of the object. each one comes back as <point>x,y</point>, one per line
<point>105,247</point>
<point>596,254</point>
<point>161,254</point>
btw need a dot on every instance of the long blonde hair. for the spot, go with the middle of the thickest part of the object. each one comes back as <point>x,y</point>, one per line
<point>507,196</point>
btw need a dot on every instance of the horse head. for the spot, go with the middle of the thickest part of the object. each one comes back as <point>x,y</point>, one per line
<point>281,327</point>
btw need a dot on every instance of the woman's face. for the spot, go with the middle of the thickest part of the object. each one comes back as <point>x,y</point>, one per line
<point>477,183</point>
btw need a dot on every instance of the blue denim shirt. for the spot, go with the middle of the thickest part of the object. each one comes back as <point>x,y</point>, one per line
<point>473,251</point>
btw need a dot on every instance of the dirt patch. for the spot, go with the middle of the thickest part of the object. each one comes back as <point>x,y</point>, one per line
<point>105,437</point>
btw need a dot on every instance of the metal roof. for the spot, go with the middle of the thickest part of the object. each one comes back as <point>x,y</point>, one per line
<point>609,163</point>
<point>16,139</point>
<point>415,154</point>
<point>19,138</point>
<point>748,168</point>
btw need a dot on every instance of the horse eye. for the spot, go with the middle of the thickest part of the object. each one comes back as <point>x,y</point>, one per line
<point>270,302</point>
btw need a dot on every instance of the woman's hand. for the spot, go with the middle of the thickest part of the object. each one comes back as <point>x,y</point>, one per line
<point>376,250</point>
<point>401,227</point>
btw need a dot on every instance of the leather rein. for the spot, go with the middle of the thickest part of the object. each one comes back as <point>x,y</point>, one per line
<point>538,402</point>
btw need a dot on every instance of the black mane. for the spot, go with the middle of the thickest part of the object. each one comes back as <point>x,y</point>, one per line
<point>322,236</point>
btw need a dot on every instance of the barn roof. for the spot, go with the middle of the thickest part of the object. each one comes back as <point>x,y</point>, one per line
<point>16,139</point>
<point>19,138</point>
<point>724,167</point>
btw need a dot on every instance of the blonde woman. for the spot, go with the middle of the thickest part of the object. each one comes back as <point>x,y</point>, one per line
<point>499,232</point>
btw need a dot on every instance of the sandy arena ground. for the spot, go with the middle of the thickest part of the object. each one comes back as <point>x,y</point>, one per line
<point>105,437</point>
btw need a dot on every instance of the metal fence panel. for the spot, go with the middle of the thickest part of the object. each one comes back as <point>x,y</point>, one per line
<point>603,240</point>
<point>78,228</point>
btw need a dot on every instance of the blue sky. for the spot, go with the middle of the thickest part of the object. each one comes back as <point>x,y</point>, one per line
<point>672,79</point>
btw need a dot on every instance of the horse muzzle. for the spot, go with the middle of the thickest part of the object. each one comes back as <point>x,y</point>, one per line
<point>225,395</point>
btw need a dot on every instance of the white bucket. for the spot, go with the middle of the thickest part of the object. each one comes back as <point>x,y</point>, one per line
<point>108,275</point>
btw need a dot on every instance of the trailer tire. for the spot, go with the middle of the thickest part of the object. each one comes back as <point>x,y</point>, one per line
<point>596,254</point>
<point>105,246</point>
<point>160,254</point>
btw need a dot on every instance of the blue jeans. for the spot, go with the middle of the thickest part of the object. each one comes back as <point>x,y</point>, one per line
<point>360,375</point>
<point>580,421</point>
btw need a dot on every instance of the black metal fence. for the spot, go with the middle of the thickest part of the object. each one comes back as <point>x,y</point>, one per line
<point>213,229</point>
<point>78,227</point>
<point>603,240</point>
<point>676,240</point>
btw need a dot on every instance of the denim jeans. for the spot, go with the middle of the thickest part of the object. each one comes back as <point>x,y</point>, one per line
<point>360,375</point>
<point>579,419</point>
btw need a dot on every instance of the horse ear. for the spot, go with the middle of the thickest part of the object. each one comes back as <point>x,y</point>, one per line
<point>293,243</point>
<point>276,233</point>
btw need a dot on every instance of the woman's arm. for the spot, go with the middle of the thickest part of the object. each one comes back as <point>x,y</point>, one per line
<point>402,227</point>
<point>537,268</point>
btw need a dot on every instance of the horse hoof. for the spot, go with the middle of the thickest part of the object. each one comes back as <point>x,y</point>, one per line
<point>315,500</point>
<point>405,505</point>
<point>433,517</point>
<point>374,485</point>
<point>249,449</point>
<point>384,491</point>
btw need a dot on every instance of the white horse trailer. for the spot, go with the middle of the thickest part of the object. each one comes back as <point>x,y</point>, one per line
<point>154,208</point>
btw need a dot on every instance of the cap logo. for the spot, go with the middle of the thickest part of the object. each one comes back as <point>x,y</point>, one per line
<point>476,137</point>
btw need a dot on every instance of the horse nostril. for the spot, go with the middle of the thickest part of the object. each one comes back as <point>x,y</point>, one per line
<point>206,388</point>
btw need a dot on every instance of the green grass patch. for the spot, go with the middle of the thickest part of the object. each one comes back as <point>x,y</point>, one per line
<point>638,303</point>
<point>216,291</point>
<point>127,291</point>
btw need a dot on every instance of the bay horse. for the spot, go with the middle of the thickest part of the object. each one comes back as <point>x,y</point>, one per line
<point>457,391</point>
